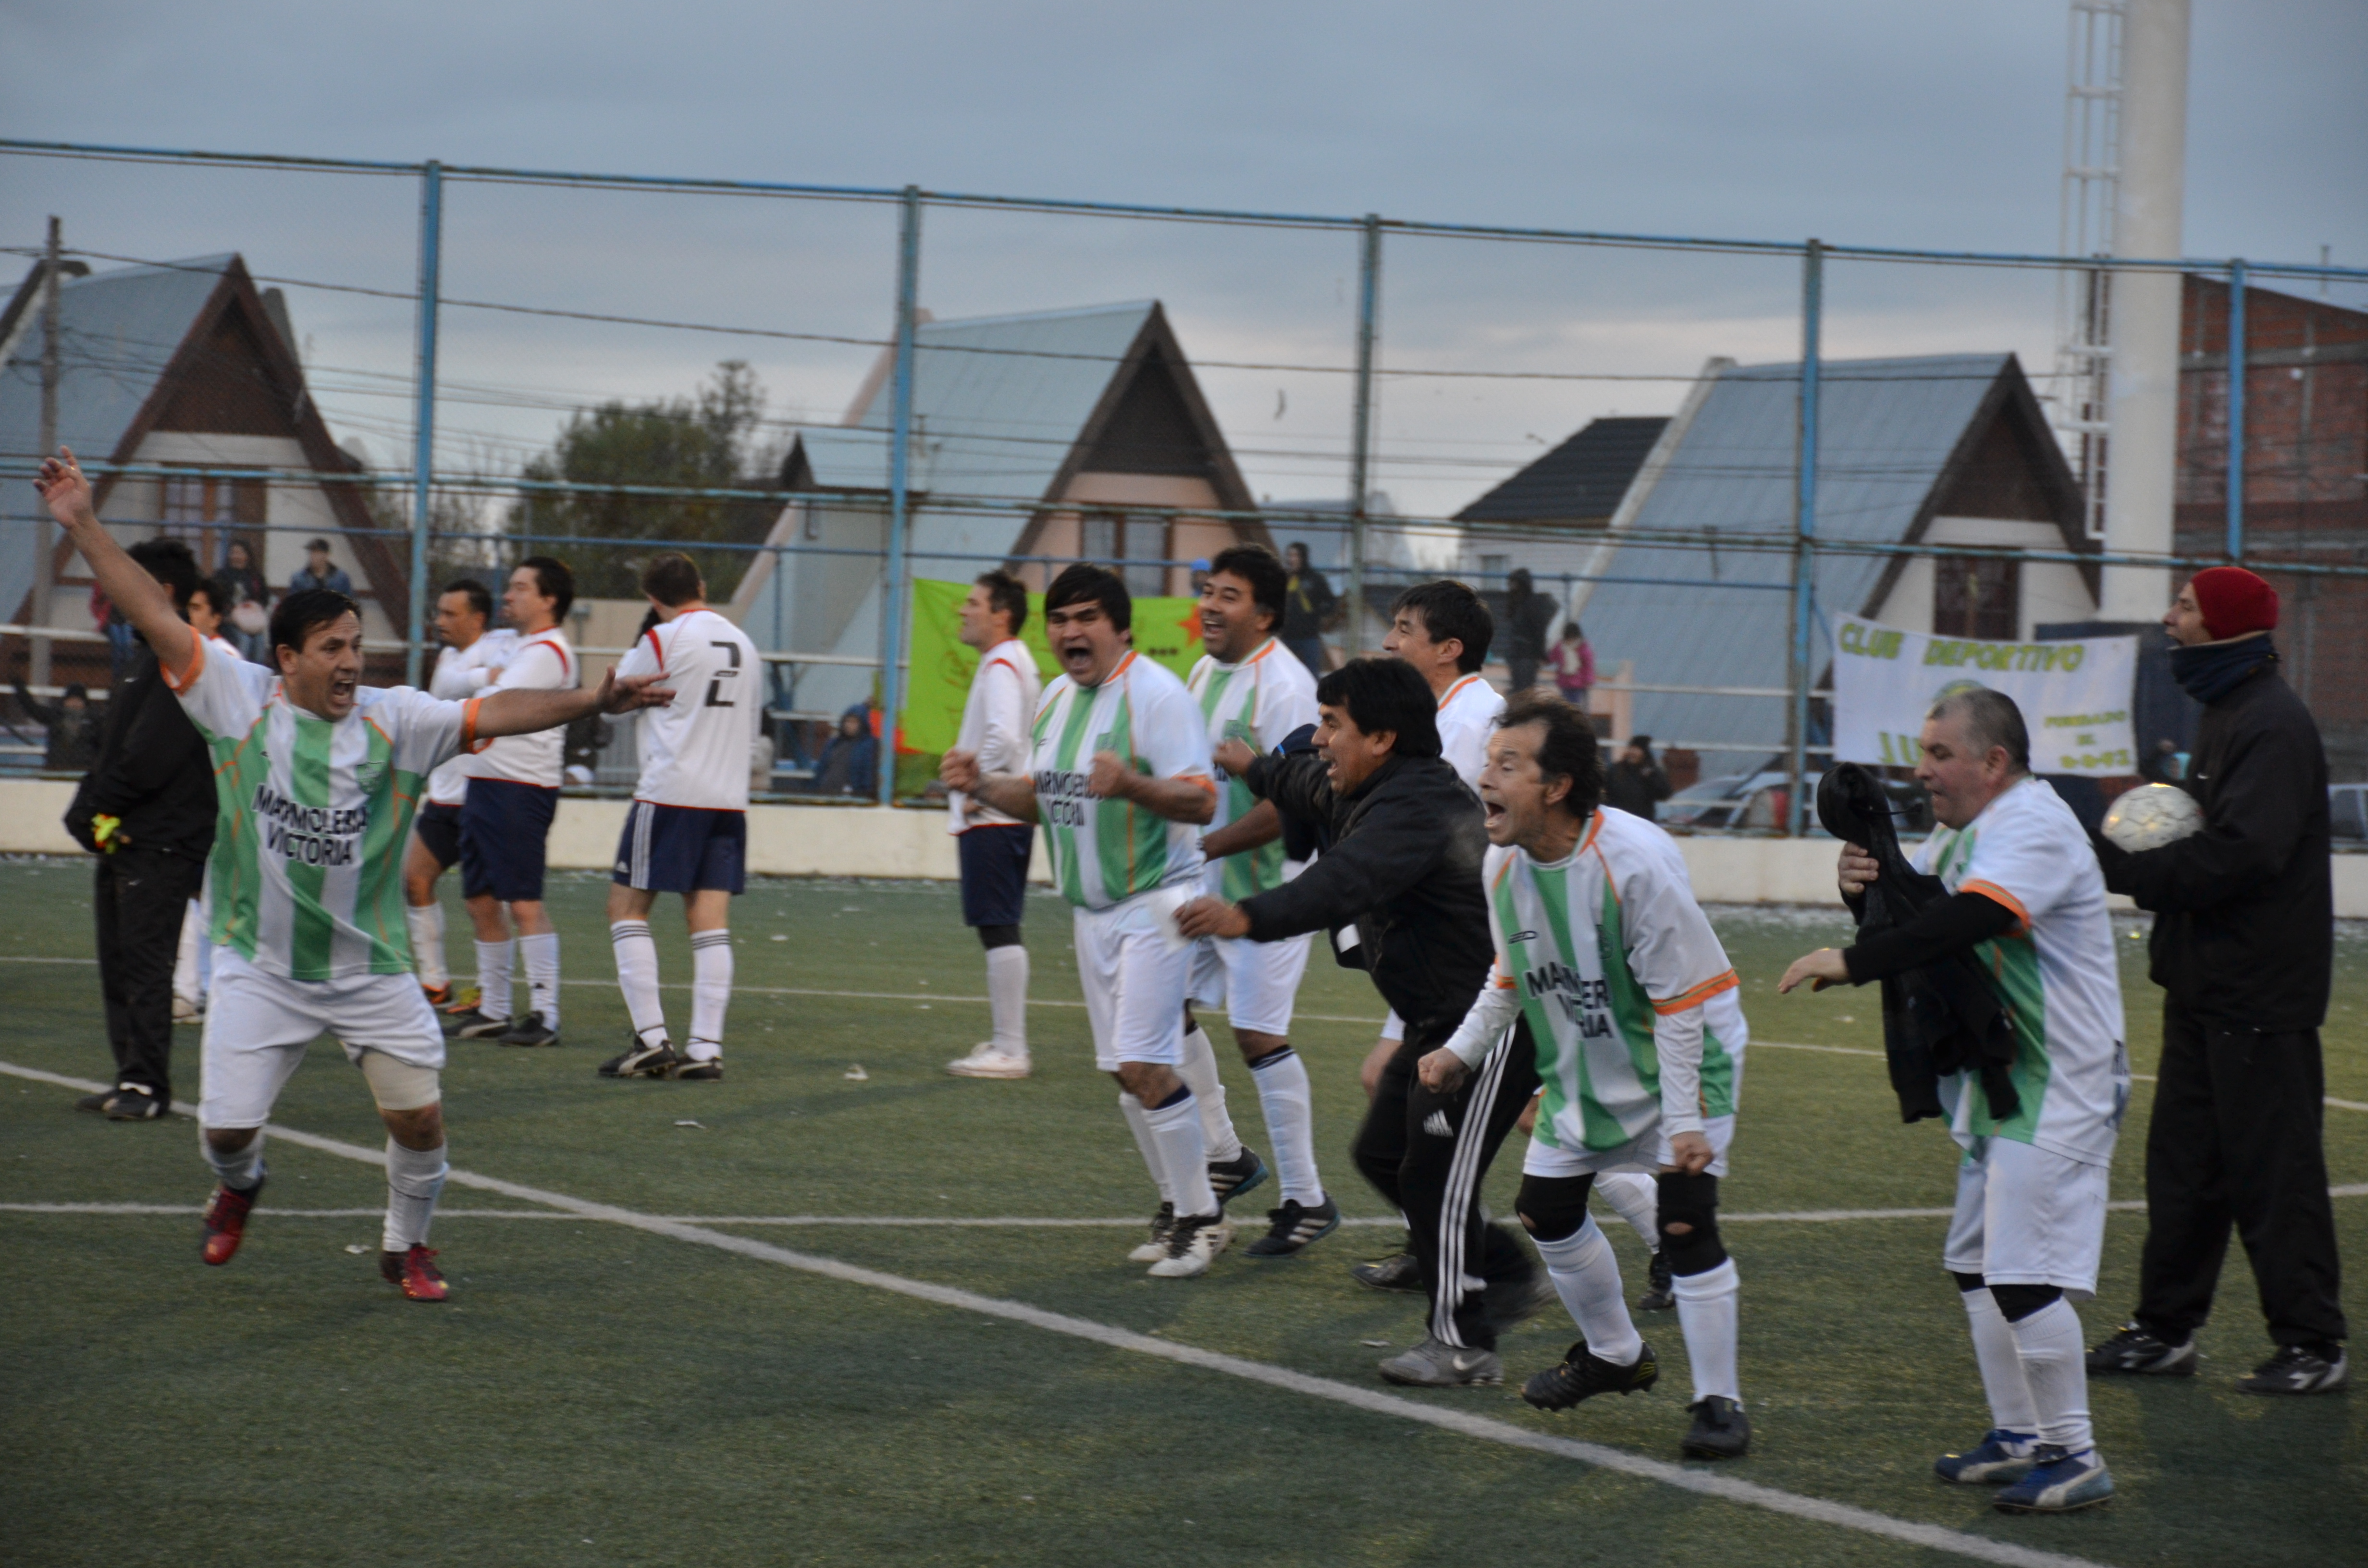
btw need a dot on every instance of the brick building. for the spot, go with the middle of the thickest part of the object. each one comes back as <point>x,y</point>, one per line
<point>2305,482</point>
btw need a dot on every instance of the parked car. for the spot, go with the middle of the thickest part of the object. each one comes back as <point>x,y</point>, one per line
<point>1754,802</point>
<point>2347,810</point>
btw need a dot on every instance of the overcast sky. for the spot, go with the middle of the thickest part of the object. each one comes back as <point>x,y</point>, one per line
<point>1870,121</point>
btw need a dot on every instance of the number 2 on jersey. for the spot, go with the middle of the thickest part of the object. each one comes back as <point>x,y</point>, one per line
<point>716,696</point>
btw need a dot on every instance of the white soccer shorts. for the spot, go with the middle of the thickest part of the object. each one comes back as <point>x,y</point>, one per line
<point>1134,978</point>
<point>2028,1216</point>
<point>1256,983</point>
<point>1649,1154</point>
<point>1393,1027</point>
<point>257,1025</point>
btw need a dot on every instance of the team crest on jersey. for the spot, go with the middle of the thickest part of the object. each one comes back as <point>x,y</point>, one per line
<point>368,776</point>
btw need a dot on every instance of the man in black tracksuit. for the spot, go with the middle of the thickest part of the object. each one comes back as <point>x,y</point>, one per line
<point>147,810</point>
<point>2244,950</point>
<point>1398,882</point>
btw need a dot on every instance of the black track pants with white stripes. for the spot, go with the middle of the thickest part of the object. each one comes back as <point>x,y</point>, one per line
<point>1428,1153</point>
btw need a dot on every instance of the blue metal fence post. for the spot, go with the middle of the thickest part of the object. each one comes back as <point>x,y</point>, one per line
<point>1361,436</point>
<point>2238,358</point>
<point>423,419</point>
<point>1804,529</point>
<point>892,588</point>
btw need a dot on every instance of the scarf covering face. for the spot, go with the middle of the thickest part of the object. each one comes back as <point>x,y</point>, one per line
<point>2212,670</point>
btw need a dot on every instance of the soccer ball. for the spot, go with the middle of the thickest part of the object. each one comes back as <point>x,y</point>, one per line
<point>2151,816</point>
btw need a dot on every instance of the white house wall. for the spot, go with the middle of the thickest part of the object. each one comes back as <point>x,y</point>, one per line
<point>2051,590</point>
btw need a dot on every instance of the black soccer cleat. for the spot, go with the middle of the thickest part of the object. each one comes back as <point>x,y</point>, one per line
<point>1660,1294</point>
<point>1293,1227</point>
<point>475,1024</point>
<point>1402,1273</point>
<point>2133,1349</point>
<point>641,1060</point>
<point>1583,1375</point>
<point>2296,1368</point>
<point>1237,1176</point>
<point>709,1071</point>
<point>1720,1431</point>
<point>528,1031</point>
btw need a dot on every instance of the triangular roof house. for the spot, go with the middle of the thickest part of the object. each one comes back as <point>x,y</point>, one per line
<point>184,364</point>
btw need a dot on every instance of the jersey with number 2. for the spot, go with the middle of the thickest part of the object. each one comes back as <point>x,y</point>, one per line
<point>696,749</point>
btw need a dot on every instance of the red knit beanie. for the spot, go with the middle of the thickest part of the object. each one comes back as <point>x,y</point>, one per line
<point>2234,602</point>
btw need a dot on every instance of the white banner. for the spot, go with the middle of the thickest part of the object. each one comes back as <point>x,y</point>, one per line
<point>2075,696</point>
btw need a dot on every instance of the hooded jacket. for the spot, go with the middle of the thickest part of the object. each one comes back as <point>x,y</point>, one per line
<point>154,771</point>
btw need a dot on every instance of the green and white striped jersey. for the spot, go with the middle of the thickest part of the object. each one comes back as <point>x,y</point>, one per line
<point>1258,702</point>
<point>1631,1003</point>
<point>312,816</point>
<point>1107,851</point>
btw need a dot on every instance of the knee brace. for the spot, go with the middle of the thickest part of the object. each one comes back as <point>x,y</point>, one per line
<point>1552,1207</point>
<point>398,1085</point>
<point>2017,1303</point>
<point>994,937</point>
<point>1690,1202</point>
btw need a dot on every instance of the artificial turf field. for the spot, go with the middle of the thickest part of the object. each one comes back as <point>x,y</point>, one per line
<point>598,1393</point>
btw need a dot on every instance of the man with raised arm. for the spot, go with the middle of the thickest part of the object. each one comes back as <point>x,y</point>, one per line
<point>1121,785</point>
<point>315,776</point>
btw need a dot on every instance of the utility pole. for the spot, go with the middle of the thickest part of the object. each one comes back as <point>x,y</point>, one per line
<point>1361,439</point>
<point>45,564</point>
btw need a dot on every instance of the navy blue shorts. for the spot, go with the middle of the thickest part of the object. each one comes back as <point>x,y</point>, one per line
<point>995,873</point>
<point>439,829</point>
<point>682,849</point>
<point>503,825</point>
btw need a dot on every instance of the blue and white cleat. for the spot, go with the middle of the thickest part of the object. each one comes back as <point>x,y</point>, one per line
<point>2059,1483</point>
<point>2001,1456</point>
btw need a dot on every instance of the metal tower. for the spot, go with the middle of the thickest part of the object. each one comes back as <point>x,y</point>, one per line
<point>2092,131</point>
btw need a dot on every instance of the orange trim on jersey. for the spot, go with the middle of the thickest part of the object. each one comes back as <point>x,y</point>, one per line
<point>1502,872</point>
<point>197,667</point>
<point>1118,669</point>
<point>1449,695</point>
<point>1997,894</point>
<point>1203,780</point>
<point>566,664</point>
<point>469,741</point>
<point>1694,996</point>
<point>1271,644</point>
<point>653,635</point>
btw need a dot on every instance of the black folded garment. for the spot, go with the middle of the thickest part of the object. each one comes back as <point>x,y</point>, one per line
<point>1938,1019</point>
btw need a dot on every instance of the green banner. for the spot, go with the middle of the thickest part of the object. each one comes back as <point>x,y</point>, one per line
<point>1166,630</point>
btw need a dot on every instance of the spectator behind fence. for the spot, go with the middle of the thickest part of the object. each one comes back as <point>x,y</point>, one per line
<point>320,572</point>
<point>72,730</point>
<point>1634,783</point>
<point>850,764</point>
<point>1528,616</point>
<point>246,603</point>
<point>1306,606</point>
<point>1574,665</point>
<point>2243,948</point>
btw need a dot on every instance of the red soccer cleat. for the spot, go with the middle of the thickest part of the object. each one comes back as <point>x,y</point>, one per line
<point>415,1272</point>
<point>226,1222</point>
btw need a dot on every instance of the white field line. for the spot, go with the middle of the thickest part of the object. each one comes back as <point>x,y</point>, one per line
<point>1727,1488</point>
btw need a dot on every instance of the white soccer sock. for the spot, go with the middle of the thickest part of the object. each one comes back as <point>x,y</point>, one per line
<point>1290,1107</point>
<point>1006,998</point>
<point>426,923</point>
<point>637,977</point>
<point>1176,1131</point>
<point>1587,1276</point>
<point>2011,1409</point>
<point>1138,1122</point>
<point>2048,1342</point>
<point>1637,1199</point>
<point>239,1171</point>
<point>494,961</point>
<point>1706,1312</point>
<point>187,984</point>
<point>710,992</point>
<point>542,954</point>
<point>1199,1071</point>
<point>414,1177</point>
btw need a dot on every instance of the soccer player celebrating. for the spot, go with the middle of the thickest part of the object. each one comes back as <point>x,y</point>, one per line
<point>992,845</point>
<point>1254,692</point>
<point>470,659</point>
<point>1122,783</point>
<point>314,777</point>
<point>688,830</point>
<point>1639,1035</point>
<point>505,821</point>
<point>2028,900</point>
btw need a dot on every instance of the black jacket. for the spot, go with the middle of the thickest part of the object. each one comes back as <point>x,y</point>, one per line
<point>2244,931</point>
<point>152,771</point>
<point>1402,867</point>
<point>72,739</point>
<point>1636,788</point>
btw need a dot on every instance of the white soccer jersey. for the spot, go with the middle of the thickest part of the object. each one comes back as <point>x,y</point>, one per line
<point>307,864</point>
<point>1258,702</point>
<point>2056,972</point>
<point>543,662</point>
<point>997,724</point>
<point>696,749</point>
<point>460,674</point>
<point>1631,1000</point>
<point>1105,851</point>
<point>1467,715</point>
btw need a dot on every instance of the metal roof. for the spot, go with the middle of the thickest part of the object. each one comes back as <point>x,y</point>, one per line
<point>1886,430</point>
<point>1582,480</point>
